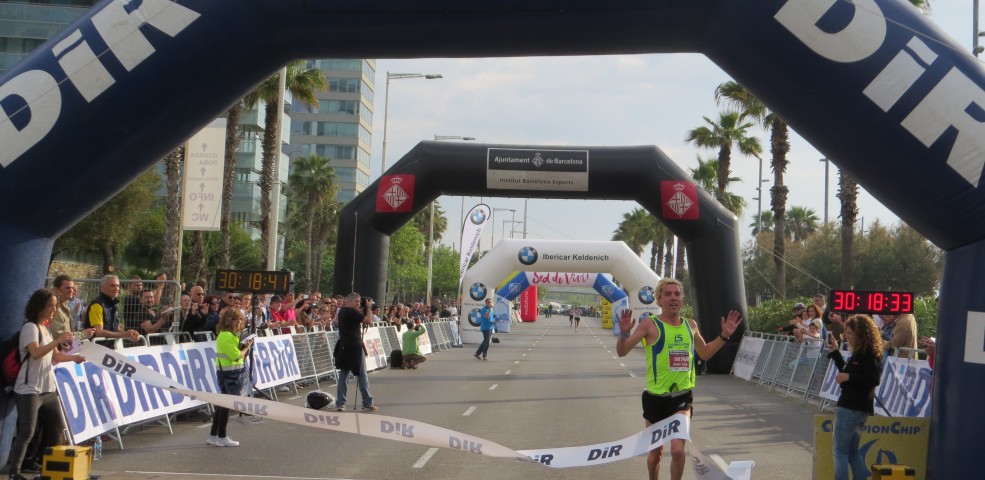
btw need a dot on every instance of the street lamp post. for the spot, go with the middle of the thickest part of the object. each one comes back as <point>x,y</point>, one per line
<point>827,164</point>
<point>976,48</point>
<point>386,102</point>
<point>492,234</point>
<point>759,198</point>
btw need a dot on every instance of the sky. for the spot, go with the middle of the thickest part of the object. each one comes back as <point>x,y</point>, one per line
<point>615,100</point>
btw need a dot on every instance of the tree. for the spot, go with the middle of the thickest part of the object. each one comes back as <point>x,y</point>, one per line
<point>728,131</point>
<point>706,175</point>
<point>638,229</point>
<point>763,224</point>
<point>422,222</point>
<point>108,229</point>
<point>748,106</point>
<point>228,174</point>
<point>848,195</point>
<point>803,221</point>
<point>303,84</point>
<point>312,185</point>
<point>172,211</point>
<point>407,272</point>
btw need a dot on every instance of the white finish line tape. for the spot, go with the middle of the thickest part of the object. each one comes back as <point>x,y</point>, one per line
<point>400,429</point>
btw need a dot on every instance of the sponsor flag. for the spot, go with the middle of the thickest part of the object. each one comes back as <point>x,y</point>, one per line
<point>679,200</point>
<point>475,222</point>
<point>395,194</point>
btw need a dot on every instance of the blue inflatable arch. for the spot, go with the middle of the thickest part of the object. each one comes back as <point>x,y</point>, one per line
<point>871,83</point>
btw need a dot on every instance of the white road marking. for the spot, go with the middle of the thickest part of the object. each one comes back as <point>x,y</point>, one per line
<point>469,411</point>
<point>622,364</point>
<point>507,372</point>
<point>424,458</point>
<point>631,374</point>
<point>227,475</point>
<point>516,362</point>
<point>493,387</point>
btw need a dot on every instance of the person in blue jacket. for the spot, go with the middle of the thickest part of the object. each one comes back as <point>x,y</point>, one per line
<point>486,316</point>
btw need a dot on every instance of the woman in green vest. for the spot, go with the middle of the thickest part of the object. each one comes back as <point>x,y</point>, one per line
<point>230,371</point>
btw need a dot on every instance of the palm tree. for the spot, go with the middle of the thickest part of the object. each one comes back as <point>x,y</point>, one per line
<point>172,208</point>
<point>729,131</point>
<point>802,222</point>
<point>764,223</point>
<point>303,84</point>
<point>748,106</point>
<point>638,229</point>
<point>422,221</point>
<point>848,194</point>
<point>312,184</point>
<point>706,175</point>
<point>632,230</point>
<point>228,174</point>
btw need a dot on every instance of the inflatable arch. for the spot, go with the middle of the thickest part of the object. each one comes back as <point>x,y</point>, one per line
<point>873,84</point>
<point>643,174</point>
<point>518,283</point>
<point>527,255</point>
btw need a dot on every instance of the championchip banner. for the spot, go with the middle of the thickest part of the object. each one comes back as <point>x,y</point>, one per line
<point>95,402</point>
<point>475,222</point>
<point>114,363</point>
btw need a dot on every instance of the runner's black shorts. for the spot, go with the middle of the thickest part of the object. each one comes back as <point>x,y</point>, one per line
<point>659,407</point>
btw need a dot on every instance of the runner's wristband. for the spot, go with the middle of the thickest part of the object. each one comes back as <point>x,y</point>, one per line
<point>624,335</point>
<point>723,337</point>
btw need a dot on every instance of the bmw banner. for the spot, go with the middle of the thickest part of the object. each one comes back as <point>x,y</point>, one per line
<point>475,222</point>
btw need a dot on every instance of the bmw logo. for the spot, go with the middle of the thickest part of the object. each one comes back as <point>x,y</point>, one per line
<point>474,317</point>
<point>478,291</point>
<point>527,255</point>
<point>646,295</point>
<point>478,216</point>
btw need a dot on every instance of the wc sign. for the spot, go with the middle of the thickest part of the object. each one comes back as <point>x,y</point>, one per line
<point>204,165</point>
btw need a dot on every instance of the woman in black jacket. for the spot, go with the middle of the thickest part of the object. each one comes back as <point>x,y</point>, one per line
<point>858,377</point>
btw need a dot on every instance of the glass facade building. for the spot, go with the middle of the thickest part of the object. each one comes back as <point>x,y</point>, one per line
<point>340,126</point>
<point>26,24</point>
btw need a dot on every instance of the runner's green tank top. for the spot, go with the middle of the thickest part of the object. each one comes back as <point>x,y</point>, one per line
<point>670,360</point>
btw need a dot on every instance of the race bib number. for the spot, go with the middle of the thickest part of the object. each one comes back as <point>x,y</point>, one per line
<point>679,361</point>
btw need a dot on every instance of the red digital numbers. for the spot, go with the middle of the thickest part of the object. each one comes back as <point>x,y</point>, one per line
<point>872,302</point>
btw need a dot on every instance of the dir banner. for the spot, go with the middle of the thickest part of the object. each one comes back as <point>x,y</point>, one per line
<point>95,402</point>
<point>885,440</point>
<point>904,387</point>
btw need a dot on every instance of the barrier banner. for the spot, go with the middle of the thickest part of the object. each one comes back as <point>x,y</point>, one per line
<point>394,428</point>
<point>745,360</point>
<point>376,355</point>
<point>885,440</point>
<point>904,387</point>
<point>95,402</point>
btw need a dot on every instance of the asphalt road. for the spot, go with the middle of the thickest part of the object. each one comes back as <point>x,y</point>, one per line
<point>543,386</point>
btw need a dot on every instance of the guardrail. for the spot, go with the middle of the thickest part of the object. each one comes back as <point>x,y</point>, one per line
<point>794,368</point>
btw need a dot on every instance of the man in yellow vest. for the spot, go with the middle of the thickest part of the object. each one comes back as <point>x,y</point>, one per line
<point>669,343</point>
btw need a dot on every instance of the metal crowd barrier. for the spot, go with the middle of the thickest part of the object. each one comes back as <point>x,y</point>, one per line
<point>798,368</point>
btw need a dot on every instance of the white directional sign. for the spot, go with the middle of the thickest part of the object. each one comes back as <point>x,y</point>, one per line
<point>202,192</point>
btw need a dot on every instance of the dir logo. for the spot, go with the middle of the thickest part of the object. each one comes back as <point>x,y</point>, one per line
<point>478,291</point>
<point>527,255</point>
<point>646,295</point>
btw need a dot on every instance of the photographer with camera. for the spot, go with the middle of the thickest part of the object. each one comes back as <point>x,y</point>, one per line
<point>350,352</point>
<point>411,351</point>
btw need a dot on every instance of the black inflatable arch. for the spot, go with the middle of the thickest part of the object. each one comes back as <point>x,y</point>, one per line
<point>643,174</point>
<point>873,84</point>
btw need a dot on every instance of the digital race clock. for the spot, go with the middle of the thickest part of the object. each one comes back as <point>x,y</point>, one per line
<point>872,302</point>
<point>253,281</point>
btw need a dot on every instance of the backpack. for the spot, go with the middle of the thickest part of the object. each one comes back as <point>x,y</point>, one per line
<point>11,360</point>
<point>397,359</point>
